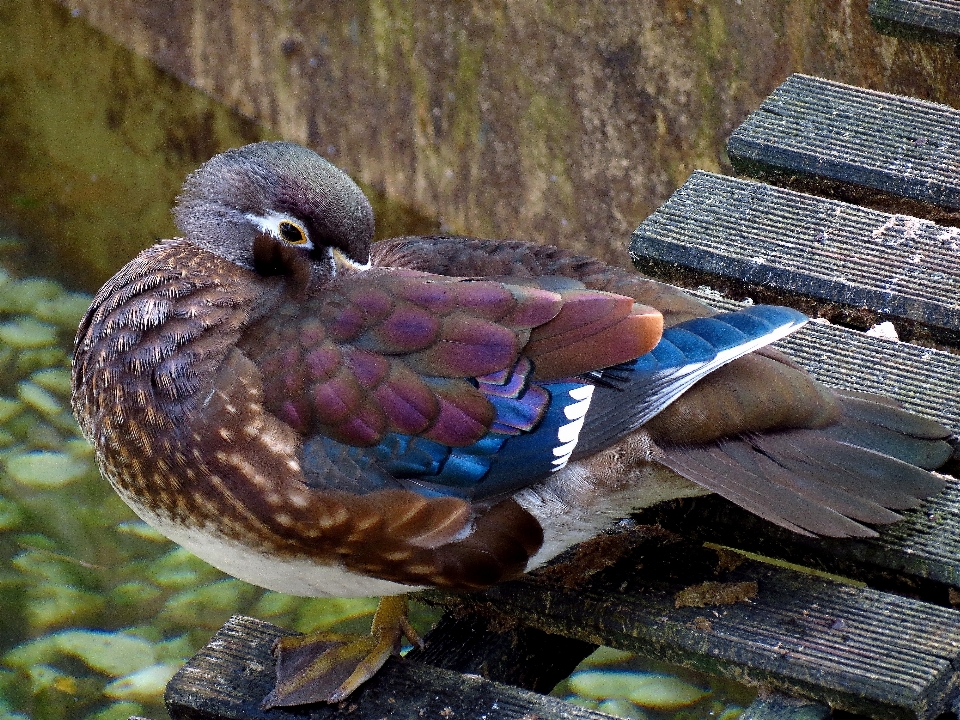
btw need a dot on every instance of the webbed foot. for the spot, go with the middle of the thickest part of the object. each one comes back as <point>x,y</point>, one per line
<point>328,667</point>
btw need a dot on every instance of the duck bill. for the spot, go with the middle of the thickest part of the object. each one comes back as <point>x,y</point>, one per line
<point>342,263</point>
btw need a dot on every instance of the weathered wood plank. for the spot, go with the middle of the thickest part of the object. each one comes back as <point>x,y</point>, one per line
<point>509,653</point>
<point>915,558</point>
<point>855,648</point>
<point>834,134</point>
<point>925,380</point>
<point>779,241</point>
<point>227,679</point>
<point>779,707</point>
<point>920,19</point>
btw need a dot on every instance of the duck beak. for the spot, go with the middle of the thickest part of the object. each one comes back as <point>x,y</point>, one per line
<point>343,263</point>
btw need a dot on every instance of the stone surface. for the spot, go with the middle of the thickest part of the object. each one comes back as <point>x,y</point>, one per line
<point>562,122</point>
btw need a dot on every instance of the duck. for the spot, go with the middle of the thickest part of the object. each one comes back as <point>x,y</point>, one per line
<point>323,415</point>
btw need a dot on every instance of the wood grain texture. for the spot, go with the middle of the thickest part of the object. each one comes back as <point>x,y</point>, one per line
<point>227,679</point>
<point>922,379</point>
<point>894,265</point>
<point>855,648</point>
<point>893,145</point>
<point>939,17</point>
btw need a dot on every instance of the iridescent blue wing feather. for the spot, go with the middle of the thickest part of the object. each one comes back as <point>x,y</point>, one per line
<point>633,393</point>
<point>539,426</point>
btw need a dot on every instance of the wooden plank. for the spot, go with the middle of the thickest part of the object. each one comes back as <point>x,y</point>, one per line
<point>925,380</point>
<point>884,563</point>
<point>921,19</point>
<point>833,135</point>
<point>773,706</point>
<point>922,379</point>
<point>227,679</point>
<point>510,653</point>
<point>773,241</point>
<point>856,649</point>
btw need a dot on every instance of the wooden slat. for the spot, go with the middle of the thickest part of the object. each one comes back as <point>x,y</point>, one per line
<point>227,679</point>
<point>787,242</point>
<point>855,648</point>
<point>916,557</point>
<point>511,653</point>
<point>773,706</point>
<point>895,146</point>
<point>924,380</point>
<point>934,19</point>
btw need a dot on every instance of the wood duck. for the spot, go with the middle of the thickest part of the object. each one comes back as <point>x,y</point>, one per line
<point>324,416</point>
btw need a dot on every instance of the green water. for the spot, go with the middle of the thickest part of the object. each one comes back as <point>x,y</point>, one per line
<point>99,610</point>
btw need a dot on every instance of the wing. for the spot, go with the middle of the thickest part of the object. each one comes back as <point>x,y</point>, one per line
<point>541,425</point>
<point>758,430</point>
<point>471,257</point>
<point>634,393</point>
<point>860,469</point>
<point>393,373</point>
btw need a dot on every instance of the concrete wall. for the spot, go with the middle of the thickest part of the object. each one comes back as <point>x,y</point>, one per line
<point>563,122</point>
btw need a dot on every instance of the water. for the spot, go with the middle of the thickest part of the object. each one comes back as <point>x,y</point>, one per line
<point>99,610</point>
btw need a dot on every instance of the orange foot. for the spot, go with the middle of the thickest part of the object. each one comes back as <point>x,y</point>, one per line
<point>327,667</point>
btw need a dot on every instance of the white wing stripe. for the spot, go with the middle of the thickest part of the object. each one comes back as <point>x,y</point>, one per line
<point>577,410</point>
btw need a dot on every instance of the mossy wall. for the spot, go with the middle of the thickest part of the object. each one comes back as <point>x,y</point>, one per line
<point>564,122</point>
<point>95,143</point>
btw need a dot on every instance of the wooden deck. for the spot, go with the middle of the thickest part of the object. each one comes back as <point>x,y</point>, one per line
<point>896,153</point>
<point>933,20</point>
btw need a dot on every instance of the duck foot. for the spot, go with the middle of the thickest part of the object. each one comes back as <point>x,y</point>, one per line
<point>328,667</point>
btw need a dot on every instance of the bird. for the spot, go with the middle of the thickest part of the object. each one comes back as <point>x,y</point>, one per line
<point>324,415</point>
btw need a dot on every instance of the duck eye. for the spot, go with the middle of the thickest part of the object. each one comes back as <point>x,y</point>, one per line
<point>292,233</point>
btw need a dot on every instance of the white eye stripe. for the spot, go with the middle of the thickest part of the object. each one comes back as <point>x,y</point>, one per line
<point>270,223</point>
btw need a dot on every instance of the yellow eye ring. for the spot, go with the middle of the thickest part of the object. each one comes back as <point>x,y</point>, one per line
<point>292,233</point>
